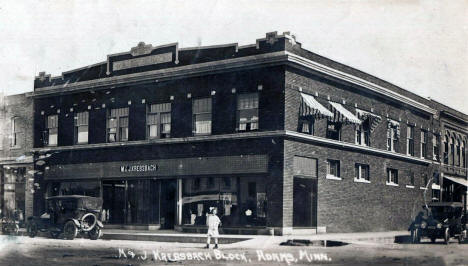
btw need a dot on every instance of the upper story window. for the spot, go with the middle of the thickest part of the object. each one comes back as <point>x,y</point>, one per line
<point>51,136</point>
<point>333,130</point>
<point>333,169</point>
<point>393,134</point>
<point>410,140</point>
<point>446,149</point>
<point>15,130</point>
<point>363,133</point>
<point>423,143</point>
<point>117,125</point>
<point>361,172</point>
<point>392,176</point>
<point>463,154</point>
<point>247,111</point>
<point>159,121</point>
<point>452,150</point>
<point>81,127</point>
<point>436,147</point>
<point>458,150</point>
<point>411,178</point>
<point>201,110</point>
<point>306,125</point>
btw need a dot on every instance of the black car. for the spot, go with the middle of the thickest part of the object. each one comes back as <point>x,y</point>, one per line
<point>440,220</point>
<point>68,216</point>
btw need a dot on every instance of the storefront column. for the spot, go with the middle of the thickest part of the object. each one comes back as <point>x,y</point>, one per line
<point>179,201</point>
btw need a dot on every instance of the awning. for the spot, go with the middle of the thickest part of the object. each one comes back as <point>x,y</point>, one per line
<point>374,119</point>
<point>341,114</point>
<point>459,180</point>
<point>311,107</point>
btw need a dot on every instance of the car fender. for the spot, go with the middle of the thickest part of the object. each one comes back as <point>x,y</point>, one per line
<point>99,223</point>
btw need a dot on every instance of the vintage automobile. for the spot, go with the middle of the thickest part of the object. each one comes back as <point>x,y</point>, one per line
<point>440,220</point>
<point>68,216</point>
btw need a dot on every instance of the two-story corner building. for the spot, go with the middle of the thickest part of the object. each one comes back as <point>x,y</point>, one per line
<point>450,169</point>
<point>16,168</point>
<point>273,135</point>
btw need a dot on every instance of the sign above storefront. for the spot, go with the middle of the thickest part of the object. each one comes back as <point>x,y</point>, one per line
<point>220,165</point>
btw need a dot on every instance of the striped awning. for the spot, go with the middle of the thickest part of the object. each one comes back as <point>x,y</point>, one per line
<point>459,180</point>
<point>311,107</point>
<point>374,119</point>
<point>341,114</point>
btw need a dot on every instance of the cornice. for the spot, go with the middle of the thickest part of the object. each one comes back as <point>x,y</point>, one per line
<point>275,58</point>
<point>357,81</point>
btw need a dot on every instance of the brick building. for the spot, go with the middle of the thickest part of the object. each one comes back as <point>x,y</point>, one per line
<point>16,168</point>
<point>273,135</point>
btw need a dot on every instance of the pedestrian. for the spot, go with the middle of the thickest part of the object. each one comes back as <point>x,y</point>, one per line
<point>213,222</point>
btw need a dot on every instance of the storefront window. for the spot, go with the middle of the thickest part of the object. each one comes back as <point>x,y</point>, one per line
<point>240,201</point>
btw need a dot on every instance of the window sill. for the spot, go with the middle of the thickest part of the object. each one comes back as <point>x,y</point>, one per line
<point>409,186</point>
<point>15,147</point>
<point>391,184</point>
<point>332,177</point>
<point>360,180</point>
<point>423,188</point>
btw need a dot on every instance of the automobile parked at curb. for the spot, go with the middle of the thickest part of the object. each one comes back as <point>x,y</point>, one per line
<point>67,216</point>
<point>444,220</point>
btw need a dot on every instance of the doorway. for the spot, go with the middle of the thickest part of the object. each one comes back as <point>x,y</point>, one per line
<point>305,202</point>
<point>168,203</point>
<point>114,201</point>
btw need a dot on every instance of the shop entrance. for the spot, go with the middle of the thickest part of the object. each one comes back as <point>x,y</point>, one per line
<point>132,202</point>
<point>168,203</point>
<point>305,202</point>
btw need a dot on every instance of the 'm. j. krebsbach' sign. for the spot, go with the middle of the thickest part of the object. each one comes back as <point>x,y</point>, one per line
<point>220,165</point>
<point>143,57</point>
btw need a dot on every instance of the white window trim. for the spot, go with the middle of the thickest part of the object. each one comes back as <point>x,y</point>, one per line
<point>361,180</point>
<point>391,184</point>
<point>392,147</point>
<point>332,177</point>
<point>409,186</point>
<point>408,130</point>
<point>423,188</point>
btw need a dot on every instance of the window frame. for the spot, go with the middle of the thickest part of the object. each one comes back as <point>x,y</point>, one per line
<point>77,128</point>
<point>338,131</point>
<point>310,121</point>
<point>14,132</point>
<point>410,140</point>
<point>362,134</point>
<point>254,109</point>
<point>118,128</point>
<point>392,135</point>
<point>392,176</point>
<point>159,125</point>
<point>195,115</point>
<point>335,163</point>
<point>424,140</point>
<point>48,130</point>
<point>358,170</point>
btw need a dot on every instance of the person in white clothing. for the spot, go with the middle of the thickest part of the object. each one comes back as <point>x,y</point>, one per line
<point>213,222</point>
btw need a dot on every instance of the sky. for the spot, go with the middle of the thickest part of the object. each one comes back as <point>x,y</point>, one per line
<point>421,46</point>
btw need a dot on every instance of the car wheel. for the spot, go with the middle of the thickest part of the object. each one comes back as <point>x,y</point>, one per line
<point>415,236</point>
<point>95,233</point>
<point>31,229</point>
<point>69,230</point>
<point>447,236</point>
<point>55,234</point>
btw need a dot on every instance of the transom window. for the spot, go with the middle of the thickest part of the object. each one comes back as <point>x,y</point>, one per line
<point>51,132</point>
<point>159,120</point>
<point>81,127</point>
<point>392,176</point>
<point>201,110</point>
<point>117,125</point>
<point>410,140</point>
<point>333,169</point>
<point>361,172</point>
<point>423,143</point>
<point>247,111</point>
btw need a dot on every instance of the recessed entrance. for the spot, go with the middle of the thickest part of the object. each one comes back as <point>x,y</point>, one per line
<point>305,202</point>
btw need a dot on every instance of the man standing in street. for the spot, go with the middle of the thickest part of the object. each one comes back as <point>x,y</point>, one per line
<point>213,222</point>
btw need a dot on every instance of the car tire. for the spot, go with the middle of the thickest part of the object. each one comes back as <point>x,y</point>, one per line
<point>415,236</point>
<point>69,230</point>
<point>95,233</point>
<point>31,229</point>
<point>446,236</point>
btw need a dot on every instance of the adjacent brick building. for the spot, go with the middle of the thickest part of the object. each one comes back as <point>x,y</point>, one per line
<point>273,135</point>
<point>16,143</point>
